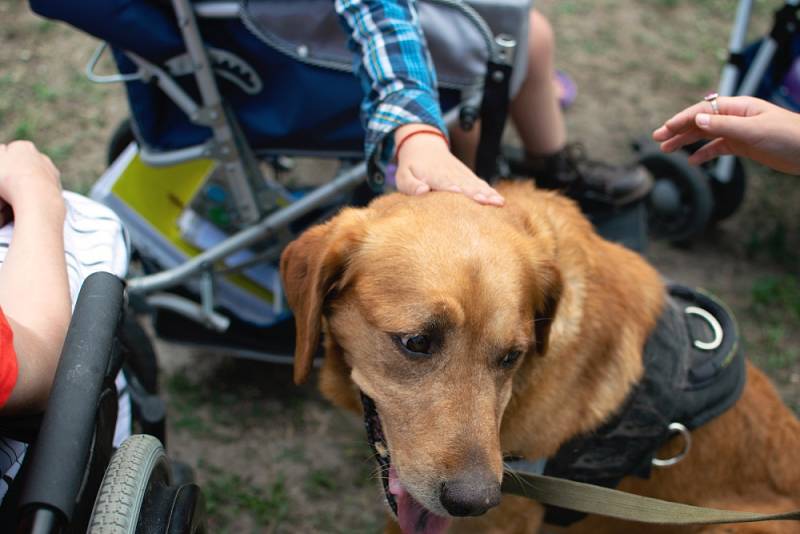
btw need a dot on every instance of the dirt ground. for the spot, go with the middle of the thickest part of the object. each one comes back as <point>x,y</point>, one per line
<point>275,458</point>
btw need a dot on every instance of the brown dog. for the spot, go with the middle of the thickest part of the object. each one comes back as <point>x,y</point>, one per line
<point>479,331</point>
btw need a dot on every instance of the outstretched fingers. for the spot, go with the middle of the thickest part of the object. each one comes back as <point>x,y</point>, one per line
<point>685,121</point>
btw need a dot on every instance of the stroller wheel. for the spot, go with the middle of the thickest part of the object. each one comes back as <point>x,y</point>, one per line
<point>120,139</point>
<point>680,204</point>
<point>728,196</point>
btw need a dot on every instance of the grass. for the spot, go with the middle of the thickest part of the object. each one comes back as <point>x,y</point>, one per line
<point>777,295</point>
<point>229,494</point>
<point>321,482</point>
<point>775,304</point>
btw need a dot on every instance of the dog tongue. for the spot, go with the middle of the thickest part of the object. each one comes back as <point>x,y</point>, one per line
<point>412,516</point>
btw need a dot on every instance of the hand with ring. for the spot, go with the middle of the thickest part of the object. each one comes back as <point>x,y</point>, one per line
<point>742,126</point>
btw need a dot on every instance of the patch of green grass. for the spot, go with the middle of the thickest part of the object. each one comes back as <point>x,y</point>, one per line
<point>320,482</point>
<point>43,92</point>
<point>772,238</point>
<point>776,354</point>
<point>82,187</point>
<point>227,493</point>
<point>59,153</point>
<point>776,295</point>
<point>6,82</point>
<point>45,26</point>
<point>179,385</point>
<point>569,7</point>
<point>24,129</point>
<point>292,454</point>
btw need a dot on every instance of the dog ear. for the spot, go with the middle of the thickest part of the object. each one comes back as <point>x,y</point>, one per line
<point>545,279</point>
<point>550,287</point>
<point>311,266</point>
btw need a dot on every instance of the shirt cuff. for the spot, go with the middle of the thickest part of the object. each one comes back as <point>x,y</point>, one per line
<point>398,109</point>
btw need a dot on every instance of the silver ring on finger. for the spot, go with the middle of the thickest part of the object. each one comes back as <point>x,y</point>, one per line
<point>712,99</point>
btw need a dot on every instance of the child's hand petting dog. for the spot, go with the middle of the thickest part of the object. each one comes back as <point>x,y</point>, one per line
<point>425,163</point>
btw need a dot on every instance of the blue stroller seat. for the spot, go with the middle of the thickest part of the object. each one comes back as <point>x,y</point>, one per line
<point>282,67</point>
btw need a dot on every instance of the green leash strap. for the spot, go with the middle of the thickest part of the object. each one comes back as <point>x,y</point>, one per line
<point>607,502</point>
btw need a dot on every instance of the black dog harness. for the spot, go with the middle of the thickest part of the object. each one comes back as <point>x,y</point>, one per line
<point>694,371</point>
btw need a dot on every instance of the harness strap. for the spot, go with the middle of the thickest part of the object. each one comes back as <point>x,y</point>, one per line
<point>590,499</point>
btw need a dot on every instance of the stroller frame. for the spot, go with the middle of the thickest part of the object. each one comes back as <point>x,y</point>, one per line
<point>254,197</point>
<point>730,83</point>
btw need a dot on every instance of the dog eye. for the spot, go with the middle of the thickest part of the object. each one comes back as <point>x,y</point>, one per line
<point>510,358</point>
<point>417,343</point>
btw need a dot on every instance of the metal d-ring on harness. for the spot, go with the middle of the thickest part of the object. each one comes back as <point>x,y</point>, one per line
<point>678,428</point>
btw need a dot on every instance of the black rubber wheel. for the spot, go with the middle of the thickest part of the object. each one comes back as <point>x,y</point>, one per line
<point>138,467</point>
<point>728,196</point>
<point>681,203</point>
<point>120,139</point>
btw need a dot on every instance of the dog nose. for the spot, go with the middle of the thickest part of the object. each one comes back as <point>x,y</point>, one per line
<point>472,493</point>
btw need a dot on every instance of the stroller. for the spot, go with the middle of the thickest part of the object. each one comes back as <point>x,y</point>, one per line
<point>224,99</point>
<point>685,200</point>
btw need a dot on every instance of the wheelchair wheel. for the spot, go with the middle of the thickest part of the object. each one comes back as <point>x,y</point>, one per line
<point>681,203</point>
<point>137,495</point>
<point>137,469</point>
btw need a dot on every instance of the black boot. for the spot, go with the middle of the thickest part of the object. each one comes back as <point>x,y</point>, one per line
<point>592,184</point>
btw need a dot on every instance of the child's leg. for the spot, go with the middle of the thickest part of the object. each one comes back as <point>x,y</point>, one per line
<point>545,154</point>
<point>535,109</point>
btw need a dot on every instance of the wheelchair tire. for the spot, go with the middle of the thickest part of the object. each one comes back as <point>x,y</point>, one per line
<point>681,203</point>
<point>137,468</point>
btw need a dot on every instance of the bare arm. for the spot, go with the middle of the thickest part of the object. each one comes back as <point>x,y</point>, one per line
<point>34,290</point>
<point>745,126</point>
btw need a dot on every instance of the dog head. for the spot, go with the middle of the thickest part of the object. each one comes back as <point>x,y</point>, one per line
<point>430,306</point>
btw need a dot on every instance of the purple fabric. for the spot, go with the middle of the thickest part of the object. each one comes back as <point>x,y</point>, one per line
<point>570,90</point>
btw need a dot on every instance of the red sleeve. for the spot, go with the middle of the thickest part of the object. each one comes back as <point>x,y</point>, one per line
<point>8,361</point>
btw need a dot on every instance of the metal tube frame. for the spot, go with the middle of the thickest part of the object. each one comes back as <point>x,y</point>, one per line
<point>228,146</point>
<point>343,182</point>
<point>241,168</point>
<point>723,171</point>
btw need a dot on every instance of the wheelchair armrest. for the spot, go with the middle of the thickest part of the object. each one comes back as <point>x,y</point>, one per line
<point>61,452</point>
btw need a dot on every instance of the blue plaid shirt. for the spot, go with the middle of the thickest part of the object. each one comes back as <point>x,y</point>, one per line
<point>395,69</point>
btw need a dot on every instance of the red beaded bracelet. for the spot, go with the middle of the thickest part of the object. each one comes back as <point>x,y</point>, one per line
<point>412,134</point>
